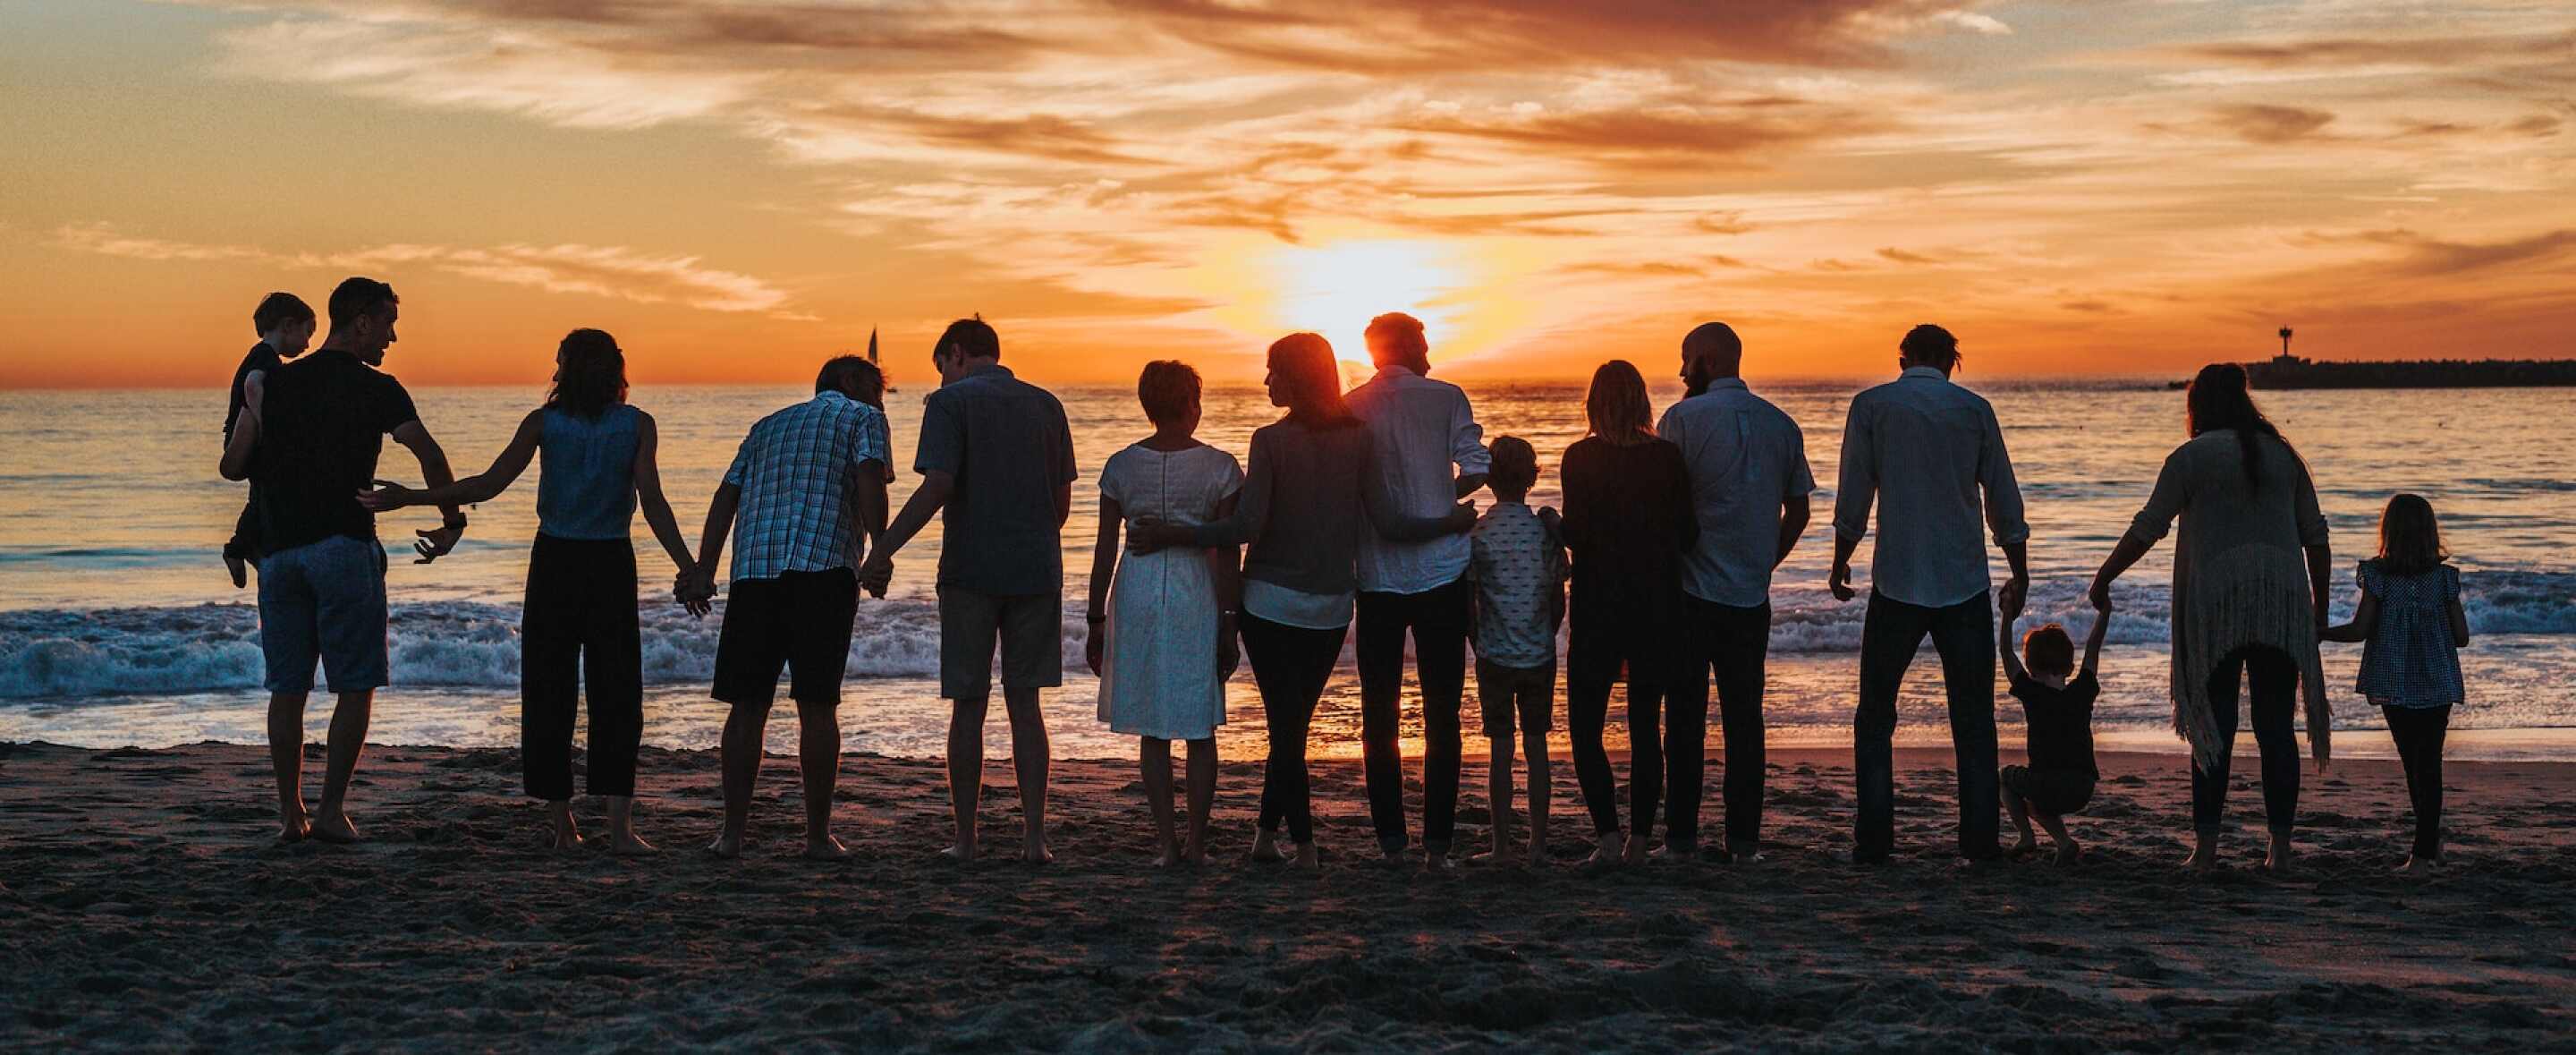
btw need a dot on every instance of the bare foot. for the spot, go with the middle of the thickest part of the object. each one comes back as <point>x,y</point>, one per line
<point>563,839</point>
<point>1636,852</point>
<point>1437,863</point>
<point>627,843</point>
<point>1036,853</point>
<point>1393,859</point>
<point>240,570</point>
<point>1309,859</point>
<point>293,828</point>
<point>1171,856</point>
<point>2068,852</point>
<point>728,845</point>
<point>1747,854</point>
<point>333,826</point>
<point>2204,855</point>
<point>2025,848</point>
<point>960,853</point>
<point>1684,853</point>
<point>1265,847</point>
<point>826,848</point>
<point>1537,855</point>
<point>2277,859</point>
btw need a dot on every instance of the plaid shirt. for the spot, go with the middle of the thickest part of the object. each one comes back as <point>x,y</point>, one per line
<point>794,470</point>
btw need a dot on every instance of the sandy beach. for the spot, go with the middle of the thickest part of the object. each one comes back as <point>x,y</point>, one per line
<point>149,910</point>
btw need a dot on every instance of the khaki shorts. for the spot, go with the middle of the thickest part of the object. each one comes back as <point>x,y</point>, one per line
<point>1028,629</point>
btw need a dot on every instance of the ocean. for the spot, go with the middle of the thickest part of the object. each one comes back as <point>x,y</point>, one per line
<point>118,626</point>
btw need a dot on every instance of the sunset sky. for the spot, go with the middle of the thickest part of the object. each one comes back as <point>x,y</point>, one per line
<point>736,188</point>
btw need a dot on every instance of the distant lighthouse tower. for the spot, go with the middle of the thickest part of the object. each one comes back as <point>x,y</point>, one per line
<point>2285,343</point>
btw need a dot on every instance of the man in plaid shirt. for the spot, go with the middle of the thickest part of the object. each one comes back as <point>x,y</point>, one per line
<point>809,488</point>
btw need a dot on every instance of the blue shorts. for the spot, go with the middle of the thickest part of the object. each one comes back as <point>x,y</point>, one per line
<point>324,601</point>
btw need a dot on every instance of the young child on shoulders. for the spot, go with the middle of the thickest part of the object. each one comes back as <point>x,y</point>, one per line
<point>2057,710</point>
<point>1519,602</point>
<point>2412,629</point>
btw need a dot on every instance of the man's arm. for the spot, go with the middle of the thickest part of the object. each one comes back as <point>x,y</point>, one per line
<point>434,473</point>
<point>1467,448</point>
<point>699,588</point>
<point>1856,491</point>
<point>2004,515</point>
<point>1795,512</point>
<point>926,501</point>
<point>505,470</point>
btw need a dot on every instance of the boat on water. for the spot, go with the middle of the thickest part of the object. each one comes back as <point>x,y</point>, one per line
<point>2286,371</point>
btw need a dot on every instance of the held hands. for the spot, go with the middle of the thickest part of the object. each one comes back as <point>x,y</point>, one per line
<point>1839,581</point>
<point>695,589</point>
<point>2009,600</point>
<point>876,573</point>
<point>2100,595</point>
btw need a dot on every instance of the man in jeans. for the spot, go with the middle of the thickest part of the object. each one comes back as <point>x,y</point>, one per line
<point>1926,449</point>
<point>1420,428</point>
<point>307,439</point>
<point>1749,483</point>
<point>996,456</point>
<point>809,486</point>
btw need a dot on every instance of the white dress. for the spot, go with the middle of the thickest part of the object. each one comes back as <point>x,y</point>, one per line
<point>1158,673</point>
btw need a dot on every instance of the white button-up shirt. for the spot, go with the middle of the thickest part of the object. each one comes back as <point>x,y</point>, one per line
<point>1924,448</point>
<point>1746,457</point>
<point>1421,429</point>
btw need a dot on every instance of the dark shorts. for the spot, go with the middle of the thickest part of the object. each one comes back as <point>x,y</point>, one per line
<point>2055,792</point>
<point>1522,696</point>
<point>1028,629</point>
<point>324,600</point>
<point>799,621</point>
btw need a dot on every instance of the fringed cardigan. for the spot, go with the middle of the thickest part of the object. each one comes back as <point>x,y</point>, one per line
<point>2240,573</point>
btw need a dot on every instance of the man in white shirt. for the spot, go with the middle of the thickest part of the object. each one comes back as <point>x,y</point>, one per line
<point>1749,482</point>
<point>1429,454</point>
<point>1926,449</point>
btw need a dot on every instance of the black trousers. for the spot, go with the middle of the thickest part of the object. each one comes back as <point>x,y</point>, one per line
<point>2419,732</point>
<point>1290,664</point>
<point>1730,645</point>
<point>579,624</point>
<point>1964,635</point>
<point>2272,679</point>
<point>1593,666</point>
<point>1437,619</point>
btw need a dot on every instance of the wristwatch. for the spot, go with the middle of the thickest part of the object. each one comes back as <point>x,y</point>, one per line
<point>457,524</point>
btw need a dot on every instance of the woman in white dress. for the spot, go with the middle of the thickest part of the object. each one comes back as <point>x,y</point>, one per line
<point>1161,624</point>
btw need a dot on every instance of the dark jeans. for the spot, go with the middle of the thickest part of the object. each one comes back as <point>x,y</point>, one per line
<point>1437,619</point>
<point>579,623</point>
<point>1732,644</point>
<point>2271,677</point>
<point>1291,665</point>
<point>2419,732</point>
<point>1964,635</point>
<point>1590,673</point>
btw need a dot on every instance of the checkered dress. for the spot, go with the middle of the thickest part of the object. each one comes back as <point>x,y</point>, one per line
<point>793,470</point>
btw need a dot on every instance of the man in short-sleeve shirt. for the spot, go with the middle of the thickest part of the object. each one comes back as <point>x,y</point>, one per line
<point>307,439</point>
<point>805,493</point>
<point>996,461</point>
<point>1749,484</point>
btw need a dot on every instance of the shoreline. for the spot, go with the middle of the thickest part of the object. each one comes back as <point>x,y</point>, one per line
<point>155,913</point>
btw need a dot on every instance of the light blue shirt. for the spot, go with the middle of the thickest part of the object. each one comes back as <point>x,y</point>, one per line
<point>586,473</point>
<point>1746,458</point>
<point>1419,429</point>
<point>1931,455</point>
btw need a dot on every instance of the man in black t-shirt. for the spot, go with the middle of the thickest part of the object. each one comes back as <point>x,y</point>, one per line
<point>307,439</point>
<point>285,327</point>
<point>2057,713</point>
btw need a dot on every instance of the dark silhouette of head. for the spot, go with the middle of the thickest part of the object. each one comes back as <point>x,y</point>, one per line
<point>1169,391</point>
<point>966,345</point>
<point>1929,345</point>
<point>2410,538</point>
<point>1395,339</point>
<point>1306,379</point>
<point>2048,651</point>
<point>1616,407</point>
<point>363,311</point>
<point>1514,470</point>
<point>285,322</point>
<point>590,374</point>
<point>1711,351</point>
<point>2219,399</point>
<point>853,376</point>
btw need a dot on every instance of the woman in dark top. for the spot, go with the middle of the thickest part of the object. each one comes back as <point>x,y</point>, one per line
<point>1309,491</point>
<point>1628,520</point>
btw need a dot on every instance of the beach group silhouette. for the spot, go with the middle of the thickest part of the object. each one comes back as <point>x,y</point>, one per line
<point>1351,516</point>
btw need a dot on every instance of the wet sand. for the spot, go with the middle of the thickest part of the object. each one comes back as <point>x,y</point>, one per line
<point>145,908</point>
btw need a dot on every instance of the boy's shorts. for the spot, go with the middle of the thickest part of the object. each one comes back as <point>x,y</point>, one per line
<point>1504,693</point>
<point>2055,792</point>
